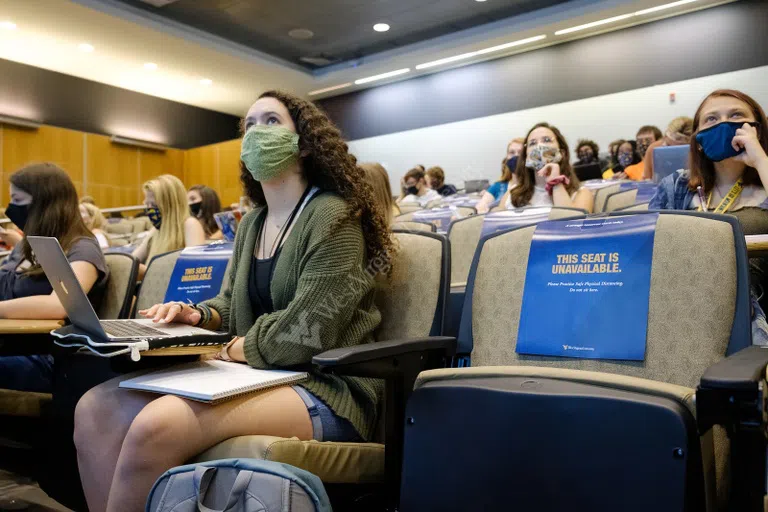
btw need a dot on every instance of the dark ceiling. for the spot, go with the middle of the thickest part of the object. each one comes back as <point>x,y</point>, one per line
<point>343,29</point>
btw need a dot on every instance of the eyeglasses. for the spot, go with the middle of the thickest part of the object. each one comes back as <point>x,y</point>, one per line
<point>544,140</point>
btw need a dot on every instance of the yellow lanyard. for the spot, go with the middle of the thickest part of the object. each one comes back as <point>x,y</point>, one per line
<point>728,200</point>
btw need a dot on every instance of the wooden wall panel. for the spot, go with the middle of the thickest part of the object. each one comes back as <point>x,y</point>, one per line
<point>201,166</point>
<point>46,144</point>
<point>230,189</point>
<point>155,163</point>
<point>112,172</point>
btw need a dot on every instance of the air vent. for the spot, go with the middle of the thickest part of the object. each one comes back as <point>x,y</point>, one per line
<point>158,3</point>
<point>319,61</point>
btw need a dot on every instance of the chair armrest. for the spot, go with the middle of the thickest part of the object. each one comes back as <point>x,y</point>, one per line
<point>339,357</point>
<point>741,371</point>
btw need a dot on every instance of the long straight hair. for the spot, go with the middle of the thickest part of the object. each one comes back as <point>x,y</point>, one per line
<point>506,173</point>
<point>171,199</point>
<point>54,210</point>
<point>526,177</point>
<point>210,205</point>
<point>702,168</point>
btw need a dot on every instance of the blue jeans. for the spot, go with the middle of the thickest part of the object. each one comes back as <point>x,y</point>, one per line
<point>326,426</point>
<point>27,373</point>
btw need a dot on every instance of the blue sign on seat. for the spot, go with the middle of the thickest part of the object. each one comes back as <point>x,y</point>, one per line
<point>587,287</point>
<point>199,273</point>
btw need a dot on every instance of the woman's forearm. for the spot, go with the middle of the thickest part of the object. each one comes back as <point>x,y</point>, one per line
<point>46,307</point>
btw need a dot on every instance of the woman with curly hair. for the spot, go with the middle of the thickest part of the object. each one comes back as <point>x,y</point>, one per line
<point>305,259</point>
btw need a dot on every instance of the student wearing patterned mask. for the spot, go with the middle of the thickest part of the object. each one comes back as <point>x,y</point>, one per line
<point>496,191</point>
<point>728,174</point>
<point>646,136</point>
<point>544,173</point>
<point>173,227</point>
<point>316,235</point>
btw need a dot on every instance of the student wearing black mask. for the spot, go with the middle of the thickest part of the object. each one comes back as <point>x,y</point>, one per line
<point>204,203</point>
<point>496,191</point>
<point>44,203</point>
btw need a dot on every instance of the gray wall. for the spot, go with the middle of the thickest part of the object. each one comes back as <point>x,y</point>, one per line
<point>70,102</point>
<point>717,40</point>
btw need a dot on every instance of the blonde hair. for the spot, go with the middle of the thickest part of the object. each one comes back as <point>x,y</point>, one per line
<point>97,219</point>
<point>680,130</point>
<point>378,178</point>
<point>171,199</point>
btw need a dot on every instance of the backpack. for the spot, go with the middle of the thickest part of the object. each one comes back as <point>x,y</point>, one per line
<point>238,485</point>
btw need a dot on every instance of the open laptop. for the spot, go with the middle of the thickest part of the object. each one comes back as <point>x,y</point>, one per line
<point>588,172</point>
<point>471,186</point>
<point>80,311</point>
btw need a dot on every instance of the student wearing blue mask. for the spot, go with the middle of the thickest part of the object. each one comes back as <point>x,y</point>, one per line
<point>727,160</point>
<point>496,191</point>
<point>728,174</point>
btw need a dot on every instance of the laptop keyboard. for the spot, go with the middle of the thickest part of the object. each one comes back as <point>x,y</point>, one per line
<point>129,329</point>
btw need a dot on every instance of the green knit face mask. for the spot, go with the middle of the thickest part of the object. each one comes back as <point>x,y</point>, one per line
<point>267,151</point>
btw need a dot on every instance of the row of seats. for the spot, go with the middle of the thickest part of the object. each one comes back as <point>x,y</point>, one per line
<point>631,424</point>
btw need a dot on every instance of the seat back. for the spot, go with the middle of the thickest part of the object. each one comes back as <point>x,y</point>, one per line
<point>118,297</point>
<point>668,159</point>
<point>408,207</point>
<point>406,216</point>
<point>619,200</point>
<point>602,194</point>
<point>156,279</point>
<point>466,211</point>
<point>121,227</point>
<point>413,225</point>
<point>464,235</point>
<point>639,207</point>
<point>412,300</point>
<point>692,322</point>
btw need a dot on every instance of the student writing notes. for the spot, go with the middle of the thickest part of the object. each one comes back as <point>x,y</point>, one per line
<point>304,261</point>
<point>544,174</point>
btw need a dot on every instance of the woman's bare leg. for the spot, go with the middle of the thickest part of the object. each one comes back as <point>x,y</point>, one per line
<point>169,431</point>
<point>102,418</point>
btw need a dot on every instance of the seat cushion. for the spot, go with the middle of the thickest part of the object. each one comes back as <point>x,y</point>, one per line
<point>339,463</point>
<point>23,403</point>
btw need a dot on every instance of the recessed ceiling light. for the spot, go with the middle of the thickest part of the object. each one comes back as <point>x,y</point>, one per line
<point>480,52</point>
<point>329,89</point>
<point>594,24</point>
<point>381,27</point>
<point>85,47</point>
<point>206,81</point>
<point>301,33</point>
<point>8,25</point>
<point>479,0</point>
<point>150,66</point>
<point>662,7</point>
<point>382,76</point>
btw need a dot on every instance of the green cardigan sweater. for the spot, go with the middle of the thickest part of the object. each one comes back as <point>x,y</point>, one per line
<point>323,299</point>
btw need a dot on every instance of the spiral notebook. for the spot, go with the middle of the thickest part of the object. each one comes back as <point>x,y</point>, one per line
<point>211,381</point>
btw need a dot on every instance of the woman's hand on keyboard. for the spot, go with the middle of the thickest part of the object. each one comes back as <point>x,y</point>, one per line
<point>177,312</point>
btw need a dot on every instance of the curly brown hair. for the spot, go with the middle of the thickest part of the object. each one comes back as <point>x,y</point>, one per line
<point>328,165</point>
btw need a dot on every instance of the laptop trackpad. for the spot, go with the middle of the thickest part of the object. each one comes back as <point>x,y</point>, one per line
<point>173,329</point>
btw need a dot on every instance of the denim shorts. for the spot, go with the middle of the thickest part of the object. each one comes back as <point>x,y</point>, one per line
<point>326,425</point>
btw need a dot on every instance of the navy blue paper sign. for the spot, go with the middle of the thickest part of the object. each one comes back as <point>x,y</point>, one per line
<point>199,273</point>
<point>440,217</point>
<point>587,287</point>
<point>499,221</point>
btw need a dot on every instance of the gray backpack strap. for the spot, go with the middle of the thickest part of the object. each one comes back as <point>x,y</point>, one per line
<point>202,479</point>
